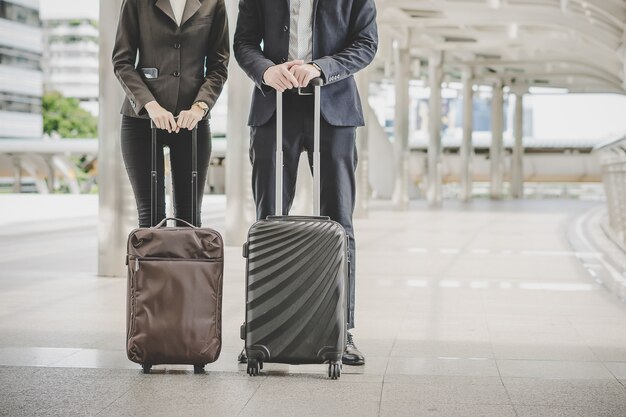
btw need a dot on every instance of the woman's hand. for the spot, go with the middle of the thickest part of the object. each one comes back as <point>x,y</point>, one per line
<point>188,119</point>
<point>161,117</point>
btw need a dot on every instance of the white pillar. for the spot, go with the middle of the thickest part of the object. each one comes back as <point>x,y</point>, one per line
<point>49,165</point>
<point>361,208</point>
<point>17,174</point>
<point>239,205</point>
<point>434,193</point>
<point>496,152</point>
<point>400,197</point>
<point>466,145</point>
<point>117,213</point>
<point>517,168</point>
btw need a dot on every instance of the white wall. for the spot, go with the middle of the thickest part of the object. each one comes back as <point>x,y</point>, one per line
<point>69,9</point>
<point>576,116</point>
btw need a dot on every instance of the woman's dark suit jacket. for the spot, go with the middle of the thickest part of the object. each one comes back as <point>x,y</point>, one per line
<point>178,53</point>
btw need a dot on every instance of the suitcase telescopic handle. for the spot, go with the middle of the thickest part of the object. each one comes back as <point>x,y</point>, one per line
<point>317,83</point>
<point>194,177</point>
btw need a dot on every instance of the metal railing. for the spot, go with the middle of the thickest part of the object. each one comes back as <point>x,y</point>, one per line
<point>612,156</point>
<point>37,164</point>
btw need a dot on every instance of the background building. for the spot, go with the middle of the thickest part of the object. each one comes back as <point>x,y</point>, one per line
<point>21,78</point>
<point>70,61</point>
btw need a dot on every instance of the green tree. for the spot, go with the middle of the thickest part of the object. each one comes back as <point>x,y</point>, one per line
<point>64,116</point>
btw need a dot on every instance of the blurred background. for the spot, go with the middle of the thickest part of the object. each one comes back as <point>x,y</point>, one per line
<point>49,97</point>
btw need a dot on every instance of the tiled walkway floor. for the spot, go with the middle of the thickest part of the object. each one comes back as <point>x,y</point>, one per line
<point>472,311</point>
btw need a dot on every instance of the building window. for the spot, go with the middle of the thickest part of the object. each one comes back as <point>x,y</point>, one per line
<point>20,103</point>
<point>18,58</point>
<point>20,14</point>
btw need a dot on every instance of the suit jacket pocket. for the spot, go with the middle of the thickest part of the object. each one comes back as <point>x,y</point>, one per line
<point>201,20</point>
<point>149,73</point>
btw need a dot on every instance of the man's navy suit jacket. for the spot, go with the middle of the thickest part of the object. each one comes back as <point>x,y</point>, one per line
<point>345,40</point>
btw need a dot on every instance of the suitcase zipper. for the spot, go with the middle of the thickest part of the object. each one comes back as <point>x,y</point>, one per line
<point>138,259</point>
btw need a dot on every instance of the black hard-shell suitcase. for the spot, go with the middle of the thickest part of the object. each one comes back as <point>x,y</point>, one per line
<point>296,280</point>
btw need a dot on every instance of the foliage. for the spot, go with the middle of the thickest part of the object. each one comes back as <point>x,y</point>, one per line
<point>64,116</point>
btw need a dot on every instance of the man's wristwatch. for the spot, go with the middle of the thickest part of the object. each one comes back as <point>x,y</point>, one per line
<point>317,67</point>
<point>202,105</point>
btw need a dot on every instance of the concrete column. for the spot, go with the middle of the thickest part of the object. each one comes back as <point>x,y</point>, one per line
<point>517,168</point>
<point>361,209</point>
<point>466,145</point>
<point>49,165</point>
<point>435,70</point>
<point>117,210</point>
<point>400,197</point>
<point>496,152</point>
<point>17,174</point>
<point>239,205</point>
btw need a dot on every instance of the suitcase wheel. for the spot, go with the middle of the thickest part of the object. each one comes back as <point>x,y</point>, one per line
<point>146,368</point>
<point>253,367</point>
<point>334,370</point>
<point>198,369</point>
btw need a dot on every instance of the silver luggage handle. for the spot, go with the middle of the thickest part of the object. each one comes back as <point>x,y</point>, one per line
<point>278,209</point>
<point>194,176</point>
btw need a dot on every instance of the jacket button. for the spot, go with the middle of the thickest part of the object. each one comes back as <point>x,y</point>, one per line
<point>176,46</point>
<point>176,74</point>
<point>285,28</point>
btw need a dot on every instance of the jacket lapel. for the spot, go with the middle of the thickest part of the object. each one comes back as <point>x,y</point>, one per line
<point>191,7</point>
<point>166,8</point>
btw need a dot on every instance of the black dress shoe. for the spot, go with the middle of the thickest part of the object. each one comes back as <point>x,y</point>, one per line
<point>352,355</point>
<point>242,358</point>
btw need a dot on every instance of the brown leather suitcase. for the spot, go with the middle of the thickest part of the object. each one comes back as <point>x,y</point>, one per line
<point>174,306</point>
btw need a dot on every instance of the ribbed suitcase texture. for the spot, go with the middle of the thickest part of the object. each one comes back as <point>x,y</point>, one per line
<point>296,290</point>
<point>296,277</point>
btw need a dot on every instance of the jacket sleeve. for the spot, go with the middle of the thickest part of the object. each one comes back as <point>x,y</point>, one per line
<point>217,58</point>
<point>247,43</point>
<point>360,51</point>
<point>125,56</point>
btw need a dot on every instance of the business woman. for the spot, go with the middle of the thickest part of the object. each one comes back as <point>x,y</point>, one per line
<point>171,58</point>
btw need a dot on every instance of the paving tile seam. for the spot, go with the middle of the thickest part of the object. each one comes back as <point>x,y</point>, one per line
<point>431,403</point>
<point>622,382</point>
<point>56,300</point>
<point>250,398</point>
<point>113,402</point>
<point>462,251</point>
<point>506,390</point>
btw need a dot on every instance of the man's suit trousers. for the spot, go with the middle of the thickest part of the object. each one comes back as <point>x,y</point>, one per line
<point>338,163</point>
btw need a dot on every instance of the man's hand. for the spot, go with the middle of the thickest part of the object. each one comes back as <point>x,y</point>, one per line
<point>279,78</point>
<point>161,117</point>
<point>304,73</point>
<point>188,119</point>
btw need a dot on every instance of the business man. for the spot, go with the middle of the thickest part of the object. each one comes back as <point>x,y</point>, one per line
<point>282,45</point>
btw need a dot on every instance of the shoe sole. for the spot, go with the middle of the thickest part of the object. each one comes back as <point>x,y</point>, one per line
<point>353,363</point>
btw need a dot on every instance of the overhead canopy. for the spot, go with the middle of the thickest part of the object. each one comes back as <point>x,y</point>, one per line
<point>579,45</point>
